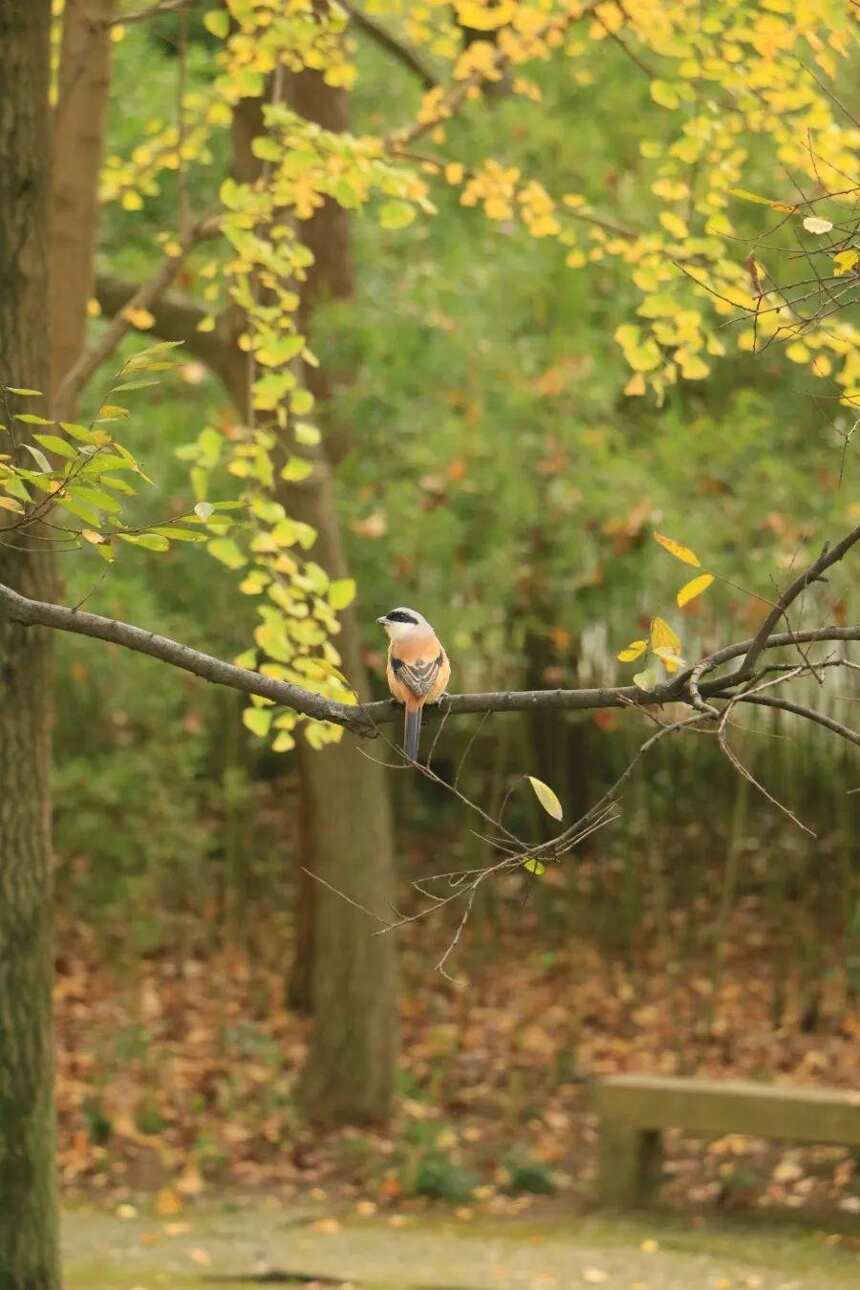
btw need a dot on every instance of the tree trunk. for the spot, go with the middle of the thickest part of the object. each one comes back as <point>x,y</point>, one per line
<point>28,1212</point>
<point>350,1071</point>
<point>351,982</point>
<point>84,82</point>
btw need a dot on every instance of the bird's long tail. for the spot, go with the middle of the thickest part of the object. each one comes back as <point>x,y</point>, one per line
<point>412,732</point>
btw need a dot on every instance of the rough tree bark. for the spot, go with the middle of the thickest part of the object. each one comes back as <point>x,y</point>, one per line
<point>79,118</point>
<point>28,1211</point>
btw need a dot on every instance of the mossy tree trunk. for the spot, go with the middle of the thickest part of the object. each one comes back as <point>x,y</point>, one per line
<point>28,1213</point>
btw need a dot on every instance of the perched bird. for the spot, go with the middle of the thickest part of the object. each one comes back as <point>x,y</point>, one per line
<point>418,670</point>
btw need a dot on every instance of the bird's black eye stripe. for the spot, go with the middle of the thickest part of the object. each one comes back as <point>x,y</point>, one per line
<point>399,616</point>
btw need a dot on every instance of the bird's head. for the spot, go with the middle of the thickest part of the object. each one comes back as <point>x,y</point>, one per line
<point>401,623</point>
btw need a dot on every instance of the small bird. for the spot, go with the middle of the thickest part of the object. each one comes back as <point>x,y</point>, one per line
<point>418,670</point>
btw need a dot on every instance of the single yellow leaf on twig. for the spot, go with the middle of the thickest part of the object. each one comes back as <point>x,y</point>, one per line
<point>632,651</point>
<point>546,797</point>
<point>663,636</point>
<point>668,656</point>
<point>694,588</point>
<point>677,550</point>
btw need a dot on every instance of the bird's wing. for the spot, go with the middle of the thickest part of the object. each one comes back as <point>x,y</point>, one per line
<point>419,675</point>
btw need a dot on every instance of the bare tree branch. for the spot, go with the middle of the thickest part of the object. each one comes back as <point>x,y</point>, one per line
<point>801,582</point>
<point>363,718</point>
<point>146,295</point>
<point>154,11</point>
<point>385,40</point>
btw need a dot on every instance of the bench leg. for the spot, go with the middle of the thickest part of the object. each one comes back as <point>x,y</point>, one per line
<point>628,1165</point>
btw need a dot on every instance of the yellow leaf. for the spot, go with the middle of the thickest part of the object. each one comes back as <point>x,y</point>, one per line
<point>674,224</point>
<point>679,552</point>
<point>662,636</point>
<point>694,588</point>
<point>546,797</point>
<point>140,318</point>
<point>632,651</point>
<point>636,385</point>
<point>454,172</point>
<point>844,261</point>
<point>664,94</point>
<point>10,504</point>
<point>797,352</point>
<point>668,657</point>
<point>693,368</point>
<point>746,196</point>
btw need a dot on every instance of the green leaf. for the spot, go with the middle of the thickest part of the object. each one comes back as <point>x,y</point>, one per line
<point>341,593</point>
<point>296,469</point>
<point>132,385</point>
<point>649,679</point>
<point>226,550</point>
<point>39,457</point>
<point>301,402</point>
<point>119,485</point>
<point>217,21</point>
<point>30,419</point>
<point>396,214</point>
<point>179,535</point>
<point>54,443</point>
<point>75,506</point>
<point>99,438</point>
<point>151,541</point>
<point>98,497</point>
<point>22,393</point>
<point>546,797</point>
<point>258,720</point>
<point>306,434</point>
<point>534,866</point>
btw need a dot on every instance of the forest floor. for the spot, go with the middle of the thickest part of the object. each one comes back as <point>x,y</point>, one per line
<point>247,1242</point>
<point>176,1069</point>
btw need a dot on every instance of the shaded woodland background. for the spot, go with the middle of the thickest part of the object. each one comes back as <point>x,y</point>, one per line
<point>488,469</point>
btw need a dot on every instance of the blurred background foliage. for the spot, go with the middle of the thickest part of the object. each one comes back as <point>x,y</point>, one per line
<point>499,479</point>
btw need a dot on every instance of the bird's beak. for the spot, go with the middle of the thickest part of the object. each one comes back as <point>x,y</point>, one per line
<point>382,619</point>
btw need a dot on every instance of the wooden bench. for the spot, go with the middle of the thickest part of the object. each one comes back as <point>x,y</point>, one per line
<point>633,1109</point>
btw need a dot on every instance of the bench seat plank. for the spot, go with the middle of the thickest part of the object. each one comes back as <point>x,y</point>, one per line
<point>730,1106</point>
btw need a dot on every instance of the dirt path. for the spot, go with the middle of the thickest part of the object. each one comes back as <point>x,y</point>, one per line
<point>221,1245</point>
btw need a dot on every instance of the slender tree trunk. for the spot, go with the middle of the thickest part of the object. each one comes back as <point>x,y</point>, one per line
<point>351,982</point>
<point>28,1212</point>
<point>79,118</point>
